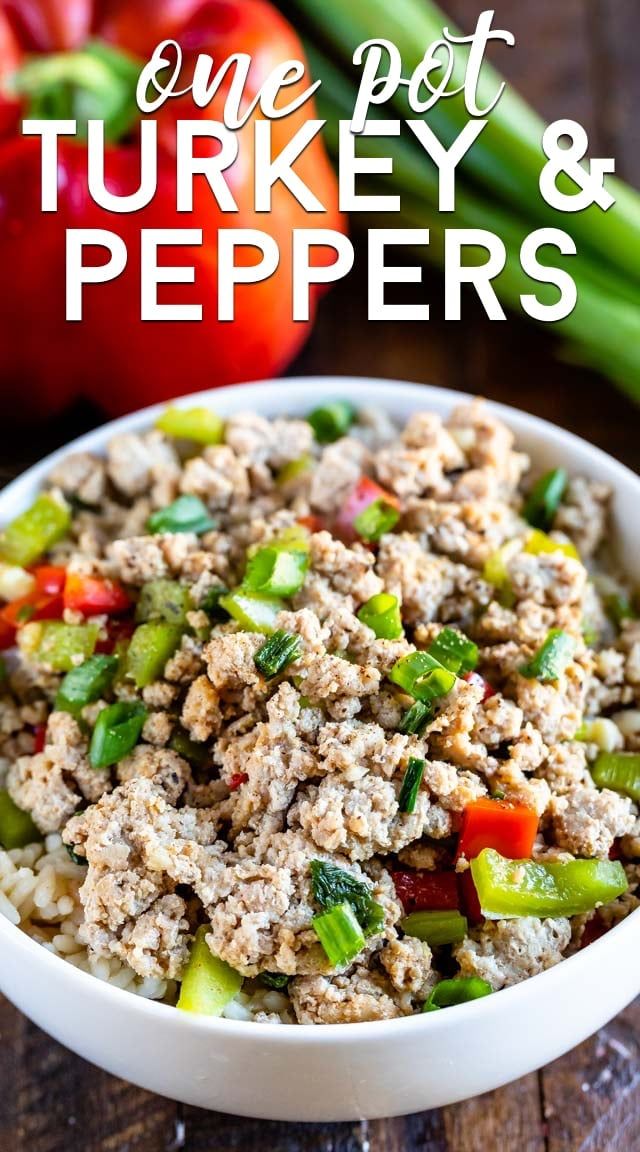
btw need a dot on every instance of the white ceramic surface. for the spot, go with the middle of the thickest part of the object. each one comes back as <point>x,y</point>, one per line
<point>337,1072</point>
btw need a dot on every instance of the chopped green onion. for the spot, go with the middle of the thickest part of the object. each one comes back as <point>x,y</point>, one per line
<point>331,421</point>
<point>544,499</point>
<point>619,608</point>
<point>422,676</point>
<point>538,542</point>
<point>435,927</point>
<point>551,659</point>
<point>210,603</point>
<point>199,424</point>
<point>164,600</point>
<point>196,754</point>
<point>150,647</point>
<point>276,571</point>
<point>81,861</point>
<point>16,826</point>
<point>208,983</point>
<point>411,785</point>
<point>340,934</point>
<point>376,519</point>
<point>511,888</point>
<point>619,771</point>
<point>276,980</point>
<point>35,531</point>
<point>448,993</point>
<point>415,719</point>
<point>58,645</point>
<point>293,469</point>
<point>277,653</point>
<point>86,683</point>
<point>454,651</point>
<point>253,613</point>
<point>382,614</point>
<point>186,514</point>
<point>331,885</point>
<point>117,730</point>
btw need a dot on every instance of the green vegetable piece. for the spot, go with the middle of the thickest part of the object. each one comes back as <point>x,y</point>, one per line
<point>211,603</point>
<point>331,421</point>
<point>422,676</point>
<point>81,861</point>
<point>293,469</point>
<point>149,649</point>
<point>340,934</point>
<point>509,888</point>
<point>16,826</point>
<point>253,613</point>
<point>382,614</point>
<point>551,659</point>
<point>454,651</point>
<point>544,499</point>
<point>411,785</point>
<point>415,719</point>
<point>35,531</point>
<point>435,928</point>
<point>199,424</point>
<point>448,993</point>
<point>276,571</point>
<point>376,519</point>
<point>332,885</point>
<point>619,771</point>
<point>276,980</point>
<point>277,652</point>
<point>208,983</point>
<point>116,732</point>
<point>60,646</point>
<point>164,600</point>
<point>196,754</point>
<point>619,608</point>
<point>186,514</point>
<point>86,683</point>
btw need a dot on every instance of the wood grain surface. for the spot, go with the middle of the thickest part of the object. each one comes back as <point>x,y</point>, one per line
<point>576,58</point>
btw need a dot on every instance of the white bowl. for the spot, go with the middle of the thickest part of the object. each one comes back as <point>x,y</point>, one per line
<point>354,1071</point>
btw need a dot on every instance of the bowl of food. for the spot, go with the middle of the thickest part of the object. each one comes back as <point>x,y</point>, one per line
<point>320,747</point>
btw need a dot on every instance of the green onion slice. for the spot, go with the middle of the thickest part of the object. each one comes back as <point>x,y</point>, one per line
<point>453,650</point>
<point>448,993</point>
<point>331,421</point>
<point>340,934</point>
<point>117,730</point>
<point>276,980</point>
<point>415,719</point>
<point>331,885</point>
<point>551,659</point>
<point>435,928</point>
<point>376,519</point>
<point>86,683</point>
<point>186,514</point>
<point>411,785</point>
<point>382,614</point>
<point>544,499</point>
<point>277,653</point>
<point>422,676</point>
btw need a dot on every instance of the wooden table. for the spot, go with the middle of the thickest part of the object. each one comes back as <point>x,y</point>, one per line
<point>575,58</point>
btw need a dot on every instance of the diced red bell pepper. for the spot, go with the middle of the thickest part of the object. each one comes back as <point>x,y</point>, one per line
<point>615,852</point>
<point>39,737</point>
<point>312,523</point>
<point>117,630</point>
<point>480,682</point>
<point>50,579</point>
<point>34,607</point>
<point>509,829</point>
<point>237,780</point>
<point>364,493</point>
<point>470,902</point>
<point>7,635</point>
<point>93,596</point>
<point>420,891</point>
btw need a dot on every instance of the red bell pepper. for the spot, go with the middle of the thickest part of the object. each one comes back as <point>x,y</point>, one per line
<point>363,494</point>
<point>480,682</point>
<point>43,603</point>
<point>50,579</point>
<point>120,361</point>
<point>509,829</point>
<point>237,780</point>
<point>470,902</point>
<point>7,635</point>
<point>420,891</point>
<point>93,596</point>
<point>39,737</point>
<point>118,632</point>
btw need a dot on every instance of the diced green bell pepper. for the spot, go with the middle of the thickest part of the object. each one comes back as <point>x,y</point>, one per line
<point>164,600</point>
<point>35,531</point>
<point>16,826</point>
<point>199,424</point>
<point>86,683</point>
<point>150,647</point>
<point>60,646</point>
<point>253,613</point>
<point>510,888</point>
<point>208,983</point>
<point>619,771</point>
